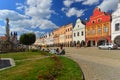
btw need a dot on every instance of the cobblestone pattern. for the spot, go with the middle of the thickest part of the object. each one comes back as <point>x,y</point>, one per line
<point>97,64</point>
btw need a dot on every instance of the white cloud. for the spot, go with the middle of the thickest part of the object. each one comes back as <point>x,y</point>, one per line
<point>90,2</point>
<point>12,15</point>
<point>2,30</point>
<point>20,30</point>
<point>68,3</point>
<point>46,24</point>
<point>38,33</point>
<point>40,11</point>
<point>39,8</point>
<point>36,15</point>
<point>107,5</point>
<point>26,23</point>
<point>20,6</point>
<point>73,11</point>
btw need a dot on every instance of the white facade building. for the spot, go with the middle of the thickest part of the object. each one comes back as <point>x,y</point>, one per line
<point>79,33</point>
<point>115,26</point>
<point>38,42</point>
<point>49,39</point>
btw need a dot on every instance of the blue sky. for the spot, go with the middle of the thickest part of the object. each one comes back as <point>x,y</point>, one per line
<point>42,16</point>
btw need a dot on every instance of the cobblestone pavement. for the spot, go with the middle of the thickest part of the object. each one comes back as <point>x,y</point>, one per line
<point>96,64</point>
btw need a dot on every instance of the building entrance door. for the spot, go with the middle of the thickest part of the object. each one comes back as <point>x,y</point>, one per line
<point>101,42</point>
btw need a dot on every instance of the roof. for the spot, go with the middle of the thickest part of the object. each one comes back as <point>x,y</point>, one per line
<point>3,38</point>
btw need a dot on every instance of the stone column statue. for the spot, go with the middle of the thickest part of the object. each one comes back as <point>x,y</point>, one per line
<point>7,29</point>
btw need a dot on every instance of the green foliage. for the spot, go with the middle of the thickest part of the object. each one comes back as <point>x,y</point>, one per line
<point>21,55</point>
<point>32,66</point>
<point>27,38</point>
<point>71,70</point>
<point>53,71</point>
<point>34,50</point>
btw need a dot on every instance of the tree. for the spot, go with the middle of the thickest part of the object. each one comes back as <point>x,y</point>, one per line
<point>27,38</point>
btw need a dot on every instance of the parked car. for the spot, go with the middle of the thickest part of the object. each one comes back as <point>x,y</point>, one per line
<point>108,46</point>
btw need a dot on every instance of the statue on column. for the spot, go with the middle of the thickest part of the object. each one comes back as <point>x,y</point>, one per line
<point>7,29</point>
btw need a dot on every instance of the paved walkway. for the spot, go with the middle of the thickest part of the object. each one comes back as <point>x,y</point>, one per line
<point>97,64</point>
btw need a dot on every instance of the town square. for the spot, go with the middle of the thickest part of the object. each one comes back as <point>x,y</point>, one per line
<point>60,40</point>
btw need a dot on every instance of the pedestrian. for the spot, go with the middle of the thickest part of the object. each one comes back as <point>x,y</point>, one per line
<point>57,50</point>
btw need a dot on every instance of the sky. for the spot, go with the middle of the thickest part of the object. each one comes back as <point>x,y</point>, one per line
<point>43,16</point>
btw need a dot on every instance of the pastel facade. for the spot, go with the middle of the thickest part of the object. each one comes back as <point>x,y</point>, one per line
<point>38,42</point>
<point>62,35</point>
<point>115,26</point>
<point>98,28</point>
<point>56,37</point>
<point>49,39</point>
<point>68,35</point>
<point>79,33</point>
<point>43,40</point>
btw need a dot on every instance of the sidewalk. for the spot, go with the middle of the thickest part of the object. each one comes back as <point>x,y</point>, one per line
<point>94,65</point>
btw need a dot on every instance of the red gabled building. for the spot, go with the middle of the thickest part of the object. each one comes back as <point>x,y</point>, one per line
<point>98,28</point>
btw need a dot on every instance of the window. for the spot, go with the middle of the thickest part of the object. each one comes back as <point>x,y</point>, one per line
<point>99,30</point>
<point>93,31</point>
<point>93,22</point>
<point>117,26</point>
<point>74,34</point>
<point>78,34</point>
<point>88,33</point>
<point>82,33</point>
<point>99,20</point>
<point>66,37</point>
<point>68,29</point>
<point>70,36</point>
<point>105,29</point>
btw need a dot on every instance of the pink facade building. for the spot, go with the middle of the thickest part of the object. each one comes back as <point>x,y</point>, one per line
<point>68,35</point>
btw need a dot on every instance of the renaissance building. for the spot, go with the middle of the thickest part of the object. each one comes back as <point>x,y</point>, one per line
<point>115,26</point>
<point>98,28</point>
<point>79,33</point>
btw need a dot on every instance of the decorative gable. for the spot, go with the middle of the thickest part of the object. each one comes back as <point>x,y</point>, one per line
<point>98,17</point>
<point>78,24</point>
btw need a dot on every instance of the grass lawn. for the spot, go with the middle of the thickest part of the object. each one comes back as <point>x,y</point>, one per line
<point>32,69</point>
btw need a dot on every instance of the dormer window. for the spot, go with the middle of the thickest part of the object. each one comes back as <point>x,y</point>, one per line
<point>99,20</point>
<point>93,22</point>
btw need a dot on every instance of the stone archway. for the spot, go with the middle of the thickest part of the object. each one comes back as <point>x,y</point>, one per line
<point>68,44</point>
<point>88,43</point>
<point>102,41</point>
<point>91,43</point>
<point>74,43</point>
<point>78,44</point>
<point>82,43</point>
<point>71,44</point>
<point>117,40</point>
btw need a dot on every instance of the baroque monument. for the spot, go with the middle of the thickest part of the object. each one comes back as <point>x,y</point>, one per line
<point>7,29</point>
<point>9,41</point>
